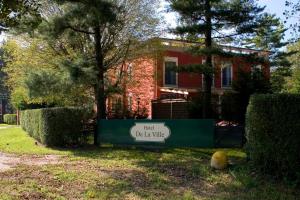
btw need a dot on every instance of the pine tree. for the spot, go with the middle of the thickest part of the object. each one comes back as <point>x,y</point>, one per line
<point>102,32</point>
<point>12,12</point>
<point>216,21</point>
<point>270,37</point>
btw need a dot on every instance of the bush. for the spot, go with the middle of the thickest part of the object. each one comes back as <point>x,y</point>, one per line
<point>10,119</point>
<point>195,107</point>
<point>233,107</point>
<point>54,126</point>
<point>273,133</point>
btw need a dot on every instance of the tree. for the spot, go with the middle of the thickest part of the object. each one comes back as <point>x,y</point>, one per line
<point>12,12</point>
<point>270,37</point>
<point>292,82</point>
<point>292,11</point>
<point>211,19</point>
<point>35,76</point>
<point>104,34</point>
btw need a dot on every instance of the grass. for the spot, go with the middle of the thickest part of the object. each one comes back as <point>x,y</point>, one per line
<point>114,173</point>
<point>15,140</point>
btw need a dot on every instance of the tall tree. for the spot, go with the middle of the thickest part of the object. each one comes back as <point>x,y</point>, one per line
<point>270,37</point>
<point>103,33</point>
<point>216,21</point>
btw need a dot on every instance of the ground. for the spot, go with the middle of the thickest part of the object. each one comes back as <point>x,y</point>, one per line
<point>36,172</point>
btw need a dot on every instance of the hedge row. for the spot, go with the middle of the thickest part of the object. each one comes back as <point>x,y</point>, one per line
<point>273,134</point>
<point>54,126</point>
<point>10,119</point>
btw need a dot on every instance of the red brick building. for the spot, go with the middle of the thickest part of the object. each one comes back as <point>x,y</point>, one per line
<point>151,77</point>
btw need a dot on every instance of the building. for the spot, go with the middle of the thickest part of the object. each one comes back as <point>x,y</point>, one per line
<point>152,77</point>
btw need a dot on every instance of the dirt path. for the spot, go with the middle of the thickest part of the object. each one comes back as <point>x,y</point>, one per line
<point>8,161</point>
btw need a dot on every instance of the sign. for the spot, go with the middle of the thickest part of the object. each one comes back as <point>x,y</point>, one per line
<point>158,132</point>
<point>150,132</point>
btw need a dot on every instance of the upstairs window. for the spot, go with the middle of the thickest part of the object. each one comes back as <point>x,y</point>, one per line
<point>227,74</point>
<point>129,71</point>
<point>170,74</point>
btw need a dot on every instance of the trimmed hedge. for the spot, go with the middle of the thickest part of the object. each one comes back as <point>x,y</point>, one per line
<point>10,119</point>
<point>54,126</point>
<point>273,133</point>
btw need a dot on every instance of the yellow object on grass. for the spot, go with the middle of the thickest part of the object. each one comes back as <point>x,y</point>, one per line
<point>219,160</point>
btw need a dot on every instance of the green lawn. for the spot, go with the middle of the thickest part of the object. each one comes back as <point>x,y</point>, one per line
<point>112,173</point>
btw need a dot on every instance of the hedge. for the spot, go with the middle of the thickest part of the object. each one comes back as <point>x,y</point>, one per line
<point>10,119</point>
<point>273,134</point>
<point>54,126</point>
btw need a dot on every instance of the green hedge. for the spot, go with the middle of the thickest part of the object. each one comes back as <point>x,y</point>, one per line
<point>54,126</point>
<point>273,134</point>
<point>10,119</point>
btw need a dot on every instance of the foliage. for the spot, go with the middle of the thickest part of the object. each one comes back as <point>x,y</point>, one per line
<point>292,11</point>
<point>233,107</point>
<point>272,129</point>
<point>279,79</point>
<point>13,12</point>
<point>102,39</point>
<point>35,76</point>
<point>54,126</point>
<point>212,20</point>
<point>10,119</point>
<point>195,107</point>
<point>246,84</point>
<point>269,37</point>
<point>292,82</point>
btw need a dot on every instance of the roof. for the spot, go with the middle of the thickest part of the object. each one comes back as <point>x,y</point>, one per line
<point>185,43</point>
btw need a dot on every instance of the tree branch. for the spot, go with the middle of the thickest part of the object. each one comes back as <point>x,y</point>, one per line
<point>79,30</point>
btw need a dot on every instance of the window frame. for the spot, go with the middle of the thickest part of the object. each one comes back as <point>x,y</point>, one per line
<point>169,59</point>
<point>231,74</point>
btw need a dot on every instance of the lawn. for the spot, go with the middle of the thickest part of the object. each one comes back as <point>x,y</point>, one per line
<point>114,173</point>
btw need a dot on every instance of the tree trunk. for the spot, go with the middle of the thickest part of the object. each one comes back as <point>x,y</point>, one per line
<point>208,76</point>
<point>99,86</point>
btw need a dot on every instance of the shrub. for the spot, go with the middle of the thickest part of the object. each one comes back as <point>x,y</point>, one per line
<point>233,107</point>
<point>195,107</point>
<point>10,119</point>
<point>54,126</point>
<point>272,129</point>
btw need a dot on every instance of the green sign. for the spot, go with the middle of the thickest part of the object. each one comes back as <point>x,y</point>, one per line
<point>168,133</point>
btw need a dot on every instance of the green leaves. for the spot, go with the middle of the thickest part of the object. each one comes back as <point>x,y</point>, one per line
<point>14,13</point>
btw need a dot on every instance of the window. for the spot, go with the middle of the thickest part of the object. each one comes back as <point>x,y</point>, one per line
<point>130,103</point>
<point>255,68</point>
<point>129,71</point>
<point>226,74</point>
<point>170,75</point>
